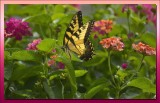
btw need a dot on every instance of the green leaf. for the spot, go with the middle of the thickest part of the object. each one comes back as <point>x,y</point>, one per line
<point>122,74</point>
<point>8,69</point>
<point>149,37</point>
<point>47,45</point>
<point>6,55</point>
<point>56,74</point>
<point>143,83</point>
<point>48,89</point>
<point>24,70</point>
<point>24,93</point>
<point>57,16</point>
<point>39,19</point>
<point>59,9</point>
<point>79,73</point>
<point>94,90</point>
<point>26,55</point>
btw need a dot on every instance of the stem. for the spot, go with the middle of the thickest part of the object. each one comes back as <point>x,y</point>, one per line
<point>117,94</point>
<point>138,69</point>
<point>128,14</point>
<point>110,70</point>
<point>62,89</point>
<point>7,41</point>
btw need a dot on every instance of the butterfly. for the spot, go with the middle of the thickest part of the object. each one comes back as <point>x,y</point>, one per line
<point>76,38</point>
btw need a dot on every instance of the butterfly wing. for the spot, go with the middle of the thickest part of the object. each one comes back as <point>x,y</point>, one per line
<point>83,46</point>
<point>76,37</point>
<point>75,24</point>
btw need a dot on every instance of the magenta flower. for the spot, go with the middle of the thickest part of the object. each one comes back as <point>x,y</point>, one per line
<point>60,65</point>
<point>32,46</point>
<point>17,28</point>
<point>124,65</point>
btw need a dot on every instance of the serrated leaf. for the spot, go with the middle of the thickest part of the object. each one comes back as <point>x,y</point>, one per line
<point>26,55</point>
<point>143,83</point>
<point>47,45</point>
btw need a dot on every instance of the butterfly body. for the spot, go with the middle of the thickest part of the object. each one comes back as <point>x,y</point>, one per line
<point>76,38</point>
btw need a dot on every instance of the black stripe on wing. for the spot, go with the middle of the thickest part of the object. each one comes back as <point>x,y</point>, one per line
<point>74,25</point>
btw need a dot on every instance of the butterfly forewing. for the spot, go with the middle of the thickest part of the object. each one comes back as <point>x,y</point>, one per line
<point>76,37</point>
<point>75,24</point>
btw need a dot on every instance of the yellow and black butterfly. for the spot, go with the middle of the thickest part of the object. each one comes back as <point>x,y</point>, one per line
<point>76,38</point>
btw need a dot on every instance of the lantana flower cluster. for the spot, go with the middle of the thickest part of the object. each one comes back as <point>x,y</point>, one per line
<point>144,49</point>
<point>113,43</point>
<point>52,62</point>
<point>103,26</point>
<point>17,28</point>
<point>33,45</point>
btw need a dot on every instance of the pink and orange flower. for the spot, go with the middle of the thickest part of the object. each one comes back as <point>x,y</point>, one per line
<point>113,43</point>
<point>144,49</point>
<point>103,26</point>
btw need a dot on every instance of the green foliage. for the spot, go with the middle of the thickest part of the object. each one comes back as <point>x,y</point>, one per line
<point>143,83</point>
<point>47,45</point>
<point>50,72</point>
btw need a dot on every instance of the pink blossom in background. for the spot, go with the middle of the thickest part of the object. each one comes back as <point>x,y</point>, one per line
<point>76,6</point>
<point>32,46</point>
<point>17,28</point>
<point>131,6</point>
<point>103,26</point>
<point>50,63</point>
<point>146,9</point>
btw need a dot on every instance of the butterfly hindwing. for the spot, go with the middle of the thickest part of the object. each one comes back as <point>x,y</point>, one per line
<point>76,37</point>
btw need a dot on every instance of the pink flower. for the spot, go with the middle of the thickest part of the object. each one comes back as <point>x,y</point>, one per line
<point>103,26</point>
<point>32,46</point>
<point>113,43</point>
<point>124,65</point>
<point>144,49</point>
<point>17,28</point>
<point>50,63</point>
